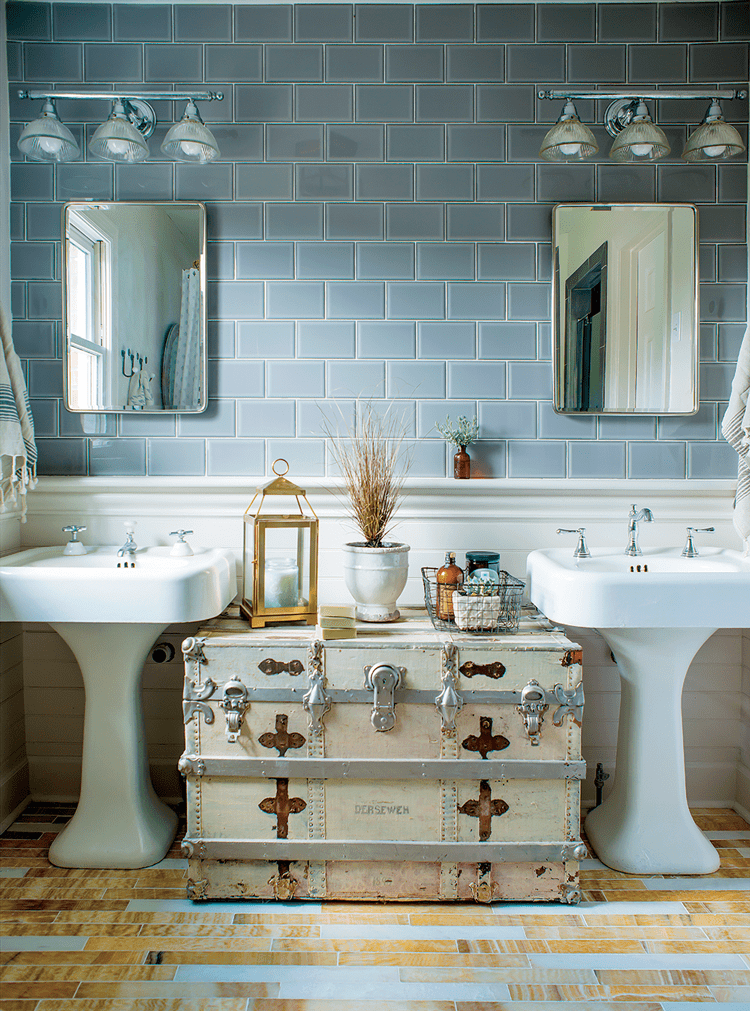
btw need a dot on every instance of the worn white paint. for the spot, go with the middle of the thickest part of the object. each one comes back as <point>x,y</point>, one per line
<point>411,808</point>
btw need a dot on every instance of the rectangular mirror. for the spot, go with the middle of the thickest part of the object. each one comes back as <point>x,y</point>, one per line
<point>134,307</point>
<point>625,309</point>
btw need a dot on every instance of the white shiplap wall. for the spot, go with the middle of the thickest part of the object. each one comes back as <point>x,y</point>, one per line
<point>742,790</point>
<point>512,517</point>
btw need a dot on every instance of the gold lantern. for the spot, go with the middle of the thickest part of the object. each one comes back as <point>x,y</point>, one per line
<point>280,556</point>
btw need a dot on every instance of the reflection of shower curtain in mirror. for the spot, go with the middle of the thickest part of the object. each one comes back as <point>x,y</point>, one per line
<point>187,358</point>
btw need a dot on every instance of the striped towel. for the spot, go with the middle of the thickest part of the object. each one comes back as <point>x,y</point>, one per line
<point>17,446</point>
<point>735,428</point>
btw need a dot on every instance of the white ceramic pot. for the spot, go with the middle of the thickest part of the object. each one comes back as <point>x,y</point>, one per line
<point>375,577</point>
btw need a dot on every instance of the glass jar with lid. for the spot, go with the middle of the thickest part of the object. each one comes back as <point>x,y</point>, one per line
<point>482,560</point>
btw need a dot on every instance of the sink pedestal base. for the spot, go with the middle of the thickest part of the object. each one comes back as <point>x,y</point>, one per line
<point>644,825</point>
<point>119,822</point>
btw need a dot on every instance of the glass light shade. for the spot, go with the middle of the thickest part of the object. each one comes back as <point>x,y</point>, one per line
<point>568,140</point>
<point>713,139</point>
<point>118,140</point>
<point>190,140</point>
<point>47,139</point>
<point>641,140</point>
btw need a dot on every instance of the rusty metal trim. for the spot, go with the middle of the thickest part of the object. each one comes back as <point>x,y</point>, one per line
<point>397,851</point>
<point>384,768</point>
<point>495,670</point>
<point>269,667</point>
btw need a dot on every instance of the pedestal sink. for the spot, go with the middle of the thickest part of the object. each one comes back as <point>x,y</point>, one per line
<point>110,614</point>
<point>654,611</point>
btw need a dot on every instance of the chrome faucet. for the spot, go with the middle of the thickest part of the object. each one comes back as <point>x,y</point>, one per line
<point>634,518</point>
<point>582,548</point>
<point>690,550</point>
<point>128,548</point>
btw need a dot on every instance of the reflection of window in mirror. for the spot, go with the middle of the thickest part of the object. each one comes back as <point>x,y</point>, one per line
<point>134,329</point>
<point>89,313</point>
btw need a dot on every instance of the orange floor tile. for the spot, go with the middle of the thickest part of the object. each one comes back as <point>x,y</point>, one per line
<point>110,940</point>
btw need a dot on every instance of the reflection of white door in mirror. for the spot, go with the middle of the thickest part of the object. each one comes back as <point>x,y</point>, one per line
<point>625,309</point>
<point>124,271</point>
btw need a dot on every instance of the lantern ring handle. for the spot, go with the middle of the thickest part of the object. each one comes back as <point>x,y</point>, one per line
<point>276,472</point>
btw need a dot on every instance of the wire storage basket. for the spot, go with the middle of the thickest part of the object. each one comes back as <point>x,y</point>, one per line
<point>478,614</point>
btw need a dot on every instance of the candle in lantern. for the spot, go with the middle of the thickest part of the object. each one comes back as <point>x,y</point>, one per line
<point>282,579</point>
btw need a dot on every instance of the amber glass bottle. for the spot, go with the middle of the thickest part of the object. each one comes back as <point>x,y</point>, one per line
<point>462,464</point>
<point>449,577</point>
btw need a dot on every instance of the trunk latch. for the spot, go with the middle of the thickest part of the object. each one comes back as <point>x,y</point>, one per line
<point>234,703</point>
<point>383,679</point>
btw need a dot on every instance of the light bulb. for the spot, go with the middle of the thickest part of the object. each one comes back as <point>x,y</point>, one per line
<point>715,152</point>
<point>641,150</point>
<point>570,149</point>
<point>52,145</point>
<point>191,148</point>
<point>118,146</point>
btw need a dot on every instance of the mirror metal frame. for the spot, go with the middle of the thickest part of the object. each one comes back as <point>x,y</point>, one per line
<point>201,260</point>
<point>559,338</point>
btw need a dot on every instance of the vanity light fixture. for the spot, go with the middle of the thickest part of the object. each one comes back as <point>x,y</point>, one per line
<point>122,138</point>
<point>190,139</point>
<point>47,139</point>
<point>637,137</point>
<point>714,138</point>
<point>119,139</point>
<point>569,139</point>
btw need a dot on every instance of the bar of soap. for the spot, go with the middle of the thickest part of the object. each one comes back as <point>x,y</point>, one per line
<point>340,621</point>
<point>335,633</point>
<point>336,611</point>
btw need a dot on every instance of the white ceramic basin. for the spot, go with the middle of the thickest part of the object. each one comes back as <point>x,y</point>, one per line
<point>608,591</point>
<point>43,584</point>
<point>654,611</point>
<point>110,618</point>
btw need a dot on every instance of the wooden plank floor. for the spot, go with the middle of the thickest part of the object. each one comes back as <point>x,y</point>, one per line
<point>107,940</point>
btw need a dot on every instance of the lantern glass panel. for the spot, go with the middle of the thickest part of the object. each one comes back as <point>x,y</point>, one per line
<point>248,554</point>
<point>286,574</point>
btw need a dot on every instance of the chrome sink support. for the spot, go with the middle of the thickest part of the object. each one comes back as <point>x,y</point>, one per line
<point>634,518</point>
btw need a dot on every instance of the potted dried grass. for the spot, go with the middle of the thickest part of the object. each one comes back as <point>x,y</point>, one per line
<point>373,465</point>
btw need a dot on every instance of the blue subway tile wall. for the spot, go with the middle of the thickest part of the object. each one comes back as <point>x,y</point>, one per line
<point>379,223</point>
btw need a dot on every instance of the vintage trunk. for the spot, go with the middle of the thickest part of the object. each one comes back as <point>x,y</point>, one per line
<point>404,764</point>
